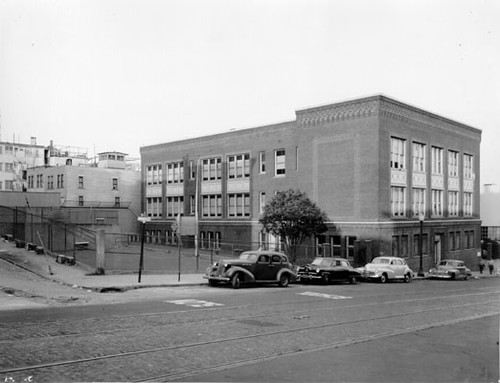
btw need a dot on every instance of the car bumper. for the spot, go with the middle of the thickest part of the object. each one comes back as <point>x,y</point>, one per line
<point>440,275</point>
<point>217,278</point>
<point>308,277</point>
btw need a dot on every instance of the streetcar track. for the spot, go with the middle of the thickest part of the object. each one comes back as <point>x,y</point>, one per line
<point>324,347</point>
<point>251,336</point>
<point>224,319</point>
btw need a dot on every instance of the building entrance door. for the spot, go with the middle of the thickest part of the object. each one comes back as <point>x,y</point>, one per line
<point>438,248</point>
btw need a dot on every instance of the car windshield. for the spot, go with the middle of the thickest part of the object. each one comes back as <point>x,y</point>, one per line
<point>380,261</point>
<point>248,257</point>
<point>321,262</point>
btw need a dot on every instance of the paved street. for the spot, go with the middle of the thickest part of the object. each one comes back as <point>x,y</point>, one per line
<point>425,331</point>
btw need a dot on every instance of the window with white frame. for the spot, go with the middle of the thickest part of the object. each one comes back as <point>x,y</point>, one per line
<point>453,203</point>
<point>468,204</point>
<point>80,200</point>
<point>175,206</point>
<point>452,163</point>
<point>437,160</point>
<point>262,162</point>
<point>154,206</point>
<point>418,157</point>
<point>154,174</point>
<point>9,167</point>
<point>398,153</point>
<point>211,205</point>
<point>437,203</point>
<point>262,202</point>
<point>238,205</point>
<point>238,166</point>
<point>80,182</point>
<point>468,166</point>
<point>279,162</point>
<point>418,203</point>
<point>114,185</point>
<point>175,173</point>
<point>398,201</point>
<point>212,169</point>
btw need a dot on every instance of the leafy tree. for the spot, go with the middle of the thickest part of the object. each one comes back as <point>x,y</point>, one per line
<point>294,217</point>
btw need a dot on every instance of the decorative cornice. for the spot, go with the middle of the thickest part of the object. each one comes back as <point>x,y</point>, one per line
<point>343,111</point>
<point>383,106</point>
<point>423,119</point>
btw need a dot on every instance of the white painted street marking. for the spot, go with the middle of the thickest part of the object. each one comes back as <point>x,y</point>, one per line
<point>327,296</point>
<point>195,303</point>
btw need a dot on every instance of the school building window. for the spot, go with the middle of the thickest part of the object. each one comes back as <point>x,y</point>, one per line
<point>80,200</point>
<point>114,184</point>
<point>453,203</point>
<point>212,169</point>
<point>452,163</point>
<point>437,203</point>
<point>437,160</point>
<point>262,162</point>
<point>398,153</point>
<point>238,166</point>
<point>154,174</point>
<point>117,201</point>
<point>154,206</point>
<point>175,206</point>
<point>279,162</point>
<point>467,204</point>
<point>175,173</point>
<point>398,202</point>
<point>418,203</point>
<point>212,205</point>
<point>418,157</point>
<point>238,205</point>
<point>468,166</point>
<point>80,182</point>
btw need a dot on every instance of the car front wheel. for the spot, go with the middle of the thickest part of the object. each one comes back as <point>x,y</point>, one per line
<point>383,278</point>
<point>353,280</point>
<point>236,281</point>
<point>407,278</point>
<point>284,280</point>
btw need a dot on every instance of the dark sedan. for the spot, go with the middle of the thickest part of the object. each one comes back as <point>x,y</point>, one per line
<point>326,270</point>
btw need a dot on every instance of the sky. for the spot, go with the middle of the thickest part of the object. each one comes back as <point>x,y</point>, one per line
<point>120,74</point>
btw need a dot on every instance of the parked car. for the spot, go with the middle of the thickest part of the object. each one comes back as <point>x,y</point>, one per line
<point>450,269</point>
<point>252,267</point>
<point>384,269</point>
<point>326,270</point>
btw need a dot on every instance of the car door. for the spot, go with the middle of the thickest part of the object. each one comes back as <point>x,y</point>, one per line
<point>340,270</point>
<point>398,268</point>
<point>264,269</point>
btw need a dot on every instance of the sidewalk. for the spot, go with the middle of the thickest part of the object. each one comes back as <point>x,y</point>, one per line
<point>82,277</point>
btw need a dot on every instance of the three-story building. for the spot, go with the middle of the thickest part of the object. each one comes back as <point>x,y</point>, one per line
<point>382,170</point>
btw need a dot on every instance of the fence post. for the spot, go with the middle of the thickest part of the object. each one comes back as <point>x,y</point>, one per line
<point>100,251</point>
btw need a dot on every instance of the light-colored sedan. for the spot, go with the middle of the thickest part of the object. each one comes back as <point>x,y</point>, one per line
<point>450,269</point>
<point>384,269</point>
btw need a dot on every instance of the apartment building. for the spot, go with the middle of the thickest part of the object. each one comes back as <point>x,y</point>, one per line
<point>382,170</point>
<point>15,158</point>
<point>105,184</point>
